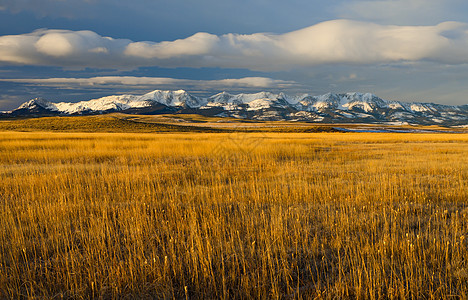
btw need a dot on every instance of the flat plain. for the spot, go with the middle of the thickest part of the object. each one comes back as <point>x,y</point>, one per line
<point>232,214</point>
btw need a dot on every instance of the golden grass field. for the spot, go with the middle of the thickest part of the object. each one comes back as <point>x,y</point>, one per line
<point>233,215</point>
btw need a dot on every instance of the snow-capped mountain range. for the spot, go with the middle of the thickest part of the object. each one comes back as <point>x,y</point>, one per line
<point>329,108</point>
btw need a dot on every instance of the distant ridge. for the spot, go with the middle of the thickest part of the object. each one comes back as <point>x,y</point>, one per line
<point>328,108</point>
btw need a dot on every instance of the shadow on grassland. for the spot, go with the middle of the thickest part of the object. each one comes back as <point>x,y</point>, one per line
<point>125,123</point>
<point>95,124</point>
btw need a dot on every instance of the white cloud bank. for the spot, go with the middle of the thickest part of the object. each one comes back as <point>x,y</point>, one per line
<point>138,82</point>
<point>331,42</point>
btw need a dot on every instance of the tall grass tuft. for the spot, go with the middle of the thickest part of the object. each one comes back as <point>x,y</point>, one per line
<point>195,216</point>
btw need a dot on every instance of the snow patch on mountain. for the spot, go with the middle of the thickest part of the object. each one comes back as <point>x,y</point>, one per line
<point>103,104</point>
<point>173,98</point>
<point>37,102</point>
<point>330,107</point>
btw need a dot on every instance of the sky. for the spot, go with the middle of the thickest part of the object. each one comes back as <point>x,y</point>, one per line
<point>71,50</point>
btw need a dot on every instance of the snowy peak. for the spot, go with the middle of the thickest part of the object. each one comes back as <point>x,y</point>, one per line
<point>330,107</point>
<point>36,103</point>
<point>178,98</point>
<point>172,98</point>
<point>241,98</point>
<point>257,101</point>
<point>366,102</point>
<point>247,98</point>
<point>348,101</point>
<point>222,97</point>
<point>34,107</point>
<point>104,104</point>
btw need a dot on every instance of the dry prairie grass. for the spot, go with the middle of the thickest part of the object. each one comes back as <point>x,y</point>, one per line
<point>211,216</point>
<point>95,123</point>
